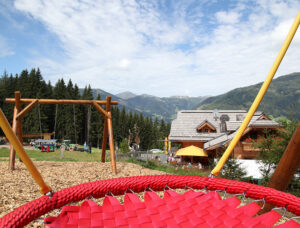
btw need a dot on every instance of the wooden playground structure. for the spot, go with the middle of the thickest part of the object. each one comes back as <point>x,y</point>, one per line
<point>19,113</point>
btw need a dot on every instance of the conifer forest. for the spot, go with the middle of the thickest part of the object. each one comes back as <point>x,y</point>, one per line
<point>78,123</point>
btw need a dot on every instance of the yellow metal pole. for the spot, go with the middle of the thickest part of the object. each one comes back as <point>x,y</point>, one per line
<point>22,154</point>
<point>258,98</point>
<point>166,145</point>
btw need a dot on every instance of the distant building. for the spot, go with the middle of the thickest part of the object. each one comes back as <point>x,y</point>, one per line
<point>212,130</point>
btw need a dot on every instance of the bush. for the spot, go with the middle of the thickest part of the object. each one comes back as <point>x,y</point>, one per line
<point>124,148</point>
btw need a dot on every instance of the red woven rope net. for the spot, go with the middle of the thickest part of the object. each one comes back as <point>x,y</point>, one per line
<point>118,186</point>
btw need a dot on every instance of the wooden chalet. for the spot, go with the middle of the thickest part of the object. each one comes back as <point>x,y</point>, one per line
<point>212,130</point>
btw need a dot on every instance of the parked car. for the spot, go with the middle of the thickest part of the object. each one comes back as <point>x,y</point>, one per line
<point>47,147</point>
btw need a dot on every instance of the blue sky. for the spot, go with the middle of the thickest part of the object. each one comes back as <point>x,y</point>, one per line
<point>161,48</point>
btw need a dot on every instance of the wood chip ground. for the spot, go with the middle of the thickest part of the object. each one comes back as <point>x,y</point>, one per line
<point>18,187</point>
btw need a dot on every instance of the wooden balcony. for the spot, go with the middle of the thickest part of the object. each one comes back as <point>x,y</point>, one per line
<point>245,150</point>
<point>249,147</point>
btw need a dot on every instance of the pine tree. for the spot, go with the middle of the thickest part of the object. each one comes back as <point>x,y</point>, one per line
<point>87,95</point>
<point>116,124</point>
<point>124,146</point>
<point>97,123</point>
<point>69,113</point>
<point>60,118</point>
<point>59,92</point>
<point>232,170</point>
<point>155,135</point>
<point>123,124</point>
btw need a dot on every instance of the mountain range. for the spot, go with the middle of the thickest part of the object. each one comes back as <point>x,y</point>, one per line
<point>281,99</point>
<point>160,107</point>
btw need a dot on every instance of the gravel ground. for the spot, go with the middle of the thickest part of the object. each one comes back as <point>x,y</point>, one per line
<point>18,187</point>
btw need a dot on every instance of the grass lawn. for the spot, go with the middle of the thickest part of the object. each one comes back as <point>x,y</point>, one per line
<point>95,156</point>
<point>169,169</point>
<point>74,156</point>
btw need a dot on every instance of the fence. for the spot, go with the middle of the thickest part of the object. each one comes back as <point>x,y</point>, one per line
<point>142,156</point>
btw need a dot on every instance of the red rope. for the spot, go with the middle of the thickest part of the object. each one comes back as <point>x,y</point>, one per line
<point>34,209</point>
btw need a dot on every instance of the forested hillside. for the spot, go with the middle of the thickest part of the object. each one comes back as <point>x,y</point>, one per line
<point>281,99</point>
<point>163,107</point>
<point>80,123</point>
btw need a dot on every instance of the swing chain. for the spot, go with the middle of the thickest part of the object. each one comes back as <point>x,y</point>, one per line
<point>39,112</point>
<point>280,208</point>
<point>55,119</point>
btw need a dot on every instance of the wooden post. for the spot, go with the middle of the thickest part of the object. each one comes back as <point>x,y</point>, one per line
<point>12,153</point>
<point>17,129</point>
<point>287,167</point>
<point>111,144</point>
<point>19,120</point>
<point>13,139</point>
<point>104,139</point>
<point>27,108</point>
<point>18,114</point>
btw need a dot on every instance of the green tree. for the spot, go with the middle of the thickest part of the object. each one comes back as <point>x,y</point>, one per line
<point>97,124</point>
<point>87,95</point>
<point>273,146</point>
<point>60,92</point>
<point>232,170</point>
<point>124,146</point>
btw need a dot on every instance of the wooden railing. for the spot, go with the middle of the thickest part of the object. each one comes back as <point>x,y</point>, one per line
<point>247,151</point>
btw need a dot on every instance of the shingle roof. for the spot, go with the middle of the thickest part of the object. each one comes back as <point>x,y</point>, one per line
<point>233,125</point>
<point>221,140</point>
<point>264,123</point>
<point>184,127</point>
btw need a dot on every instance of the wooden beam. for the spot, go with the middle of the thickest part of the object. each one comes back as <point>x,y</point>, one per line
<point>100,109</point>
<point>38,135</point>
<point>105,130</point>
<point>13,139</point>
<point>55,101</point>
<point>111,146</point>
<point>27,109</point>
<point>288,165</point>
<point>104,139</point>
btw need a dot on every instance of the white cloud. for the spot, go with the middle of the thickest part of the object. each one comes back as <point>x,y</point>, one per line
<point>147,48</point>
<point>124,63</point>
<point>228,17</point>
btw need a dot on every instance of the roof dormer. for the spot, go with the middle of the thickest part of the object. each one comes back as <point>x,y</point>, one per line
<point>206,127</point>
<point>263,117</point>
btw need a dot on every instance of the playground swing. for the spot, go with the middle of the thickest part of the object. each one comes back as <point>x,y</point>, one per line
<point>190,209</point>
<point>19,114</point>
